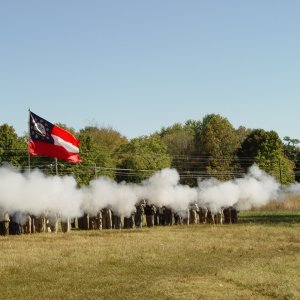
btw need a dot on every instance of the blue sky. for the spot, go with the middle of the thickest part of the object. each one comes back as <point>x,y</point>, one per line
<point>139,65</point>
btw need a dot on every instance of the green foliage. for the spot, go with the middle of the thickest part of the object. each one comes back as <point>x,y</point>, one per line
<point>292,151</point>
<point>207,147</point>
<point>97,146</point>
<point>265,149</point>
<point>143,156</point>
<point>11,146</point>
<point>179,139</point>
<point>219,142</point>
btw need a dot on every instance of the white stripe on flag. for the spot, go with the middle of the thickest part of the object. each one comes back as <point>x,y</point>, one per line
<point>68,146</point>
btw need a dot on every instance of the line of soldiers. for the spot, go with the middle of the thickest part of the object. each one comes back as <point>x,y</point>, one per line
<point>144,215</point>
<point>25,224</point>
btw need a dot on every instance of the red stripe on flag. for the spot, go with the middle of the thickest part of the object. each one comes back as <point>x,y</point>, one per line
<point>65,135</point>
<point>47,149</point>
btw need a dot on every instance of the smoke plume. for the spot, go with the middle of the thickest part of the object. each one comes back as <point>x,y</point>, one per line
<point>38,194</point>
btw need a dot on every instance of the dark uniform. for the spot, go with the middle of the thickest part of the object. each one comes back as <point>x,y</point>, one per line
<point>106,218</point>
<point>150,211</point>
<point>202,215</point>
<point>84,222</point>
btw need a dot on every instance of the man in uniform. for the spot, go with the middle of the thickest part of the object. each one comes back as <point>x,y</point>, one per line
<point>202,215</point>
<point>117,221</point>
<point>6,221</point>
<point>139,215</point>
<point>150,211</point>
<point>27,226</point>
<point>193,213</point>
<point>84,222</point>
<point>106,218</point>
<point>66,225</point>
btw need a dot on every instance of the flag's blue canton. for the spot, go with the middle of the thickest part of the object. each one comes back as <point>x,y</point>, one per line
<point>40,129</point>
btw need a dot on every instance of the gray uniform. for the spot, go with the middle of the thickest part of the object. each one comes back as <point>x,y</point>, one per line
<point>27,226</point>
<point>193,213</point>
<point>6,221</point>
<point>139,215</point>
<point>66,225</point>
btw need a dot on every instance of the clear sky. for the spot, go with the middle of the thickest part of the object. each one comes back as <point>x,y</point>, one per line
<point>138,65</point>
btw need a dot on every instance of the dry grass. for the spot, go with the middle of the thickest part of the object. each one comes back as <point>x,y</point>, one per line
<point>290,203</point>
<point>241,261</point>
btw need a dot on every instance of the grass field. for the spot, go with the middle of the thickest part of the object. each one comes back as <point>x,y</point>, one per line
<point>248,260</point>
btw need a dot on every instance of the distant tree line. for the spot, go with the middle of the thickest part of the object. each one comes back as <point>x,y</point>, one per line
<point>210,147</point>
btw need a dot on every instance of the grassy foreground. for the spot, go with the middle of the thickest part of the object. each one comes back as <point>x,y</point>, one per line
<point>240,261</point>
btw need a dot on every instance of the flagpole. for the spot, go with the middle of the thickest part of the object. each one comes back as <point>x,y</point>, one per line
<point>28,141</point>
<point>56,167</point>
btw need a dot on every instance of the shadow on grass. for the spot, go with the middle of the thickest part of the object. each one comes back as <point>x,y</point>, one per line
<point>269,217</point>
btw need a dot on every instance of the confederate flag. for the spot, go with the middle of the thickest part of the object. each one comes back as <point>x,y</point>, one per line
<point>50,140</point>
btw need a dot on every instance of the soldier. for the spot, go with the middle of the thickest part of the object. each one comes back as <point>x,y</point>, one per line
<point>234,213</point>
<point>129,221</point>
<point>157,217</point>
<point>150,211</point>
<point>139,215</point>
<point>33,222</point>
<point>95,222</point>
<point>162,218</point>
<point>117,221</point>
<point>186,217</point>
<point>27,226</point>
<point>169,216</point>
<point>219,216</point>
<point>14,224</point>
<point>230,215</point>
<point>6,221</point>
<point>40,224</point>
<point>92,222</point>
<point>84,222</point>
<point>210,217</point>
<point>193,213</point>
<point>106,218</point>
<point>202,215</point>
<point>53,223</point>
<point>66,225</point>
<point>177,219</point>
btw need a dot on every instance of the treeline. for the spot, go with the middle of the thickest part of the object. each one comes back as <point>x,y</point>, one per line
<point>210,147</point>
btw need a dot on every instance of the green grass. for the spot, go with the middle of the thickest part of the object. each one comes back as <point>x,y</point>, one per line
<point>240,261</point>
<point>269,217</point>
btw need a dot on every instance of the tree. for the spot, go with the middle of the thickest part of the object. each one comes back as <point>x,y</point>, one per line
<point>13,149</point>
<point>292,151</point>
<point>265,149</point>
<point>97,146</point>
<point>181,141</point>
<point>218,142</point>
<point>142,157</point>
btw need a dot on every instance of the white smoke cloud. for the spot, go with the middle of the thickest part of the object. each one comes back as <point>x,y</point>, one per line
<point>214,194</point>
<point>163,189</point>
<point>38,194</point>
<point>256,189</point>
<point>104,192</point>
<point>293,189</point>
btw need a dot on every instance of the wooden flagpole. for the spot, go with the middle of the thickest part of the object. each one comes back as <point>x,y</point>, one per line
<point>28,141</point>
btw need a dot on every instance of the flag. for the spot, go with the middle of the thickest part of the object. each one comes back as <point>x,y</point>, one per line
<point>50,140</point>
